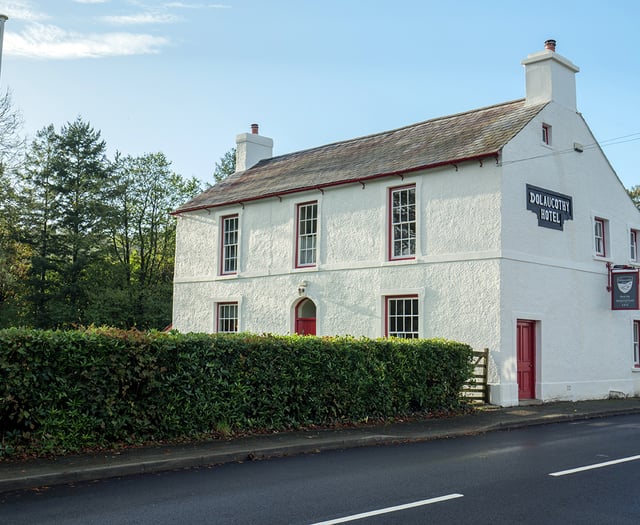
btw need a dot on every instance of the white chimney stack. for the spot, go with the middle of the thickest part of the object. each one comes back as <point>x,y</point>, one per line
<point>3,19</point>
<point>550,77</point>
<point>251,148</point>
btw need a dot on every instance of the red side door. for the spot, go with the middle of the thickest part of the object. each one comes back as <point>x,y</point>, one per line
<point>526,348</point>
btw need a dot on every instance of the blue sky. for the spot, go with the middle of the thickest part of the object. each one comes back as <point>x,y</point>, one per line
<point>184,77</point>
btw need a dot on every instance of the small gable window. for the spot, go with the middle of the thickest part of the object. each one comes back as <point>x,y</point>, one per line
<point>546,134</point>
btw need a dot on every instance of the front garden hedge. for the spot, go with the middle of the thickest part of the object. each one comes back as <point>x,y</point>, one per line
<point>66,391</point>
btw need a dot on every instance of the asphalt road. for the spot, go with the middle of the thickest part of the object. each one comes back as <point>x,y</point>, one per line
<point>523,476</point>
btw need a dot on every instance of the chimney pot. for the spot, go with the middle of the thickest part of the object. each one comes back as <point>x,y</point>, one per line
<point>254,129</point>
<point>550,45</point>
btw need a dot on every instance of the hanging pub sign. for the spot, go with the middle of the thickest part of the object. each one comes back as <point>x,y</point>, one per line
<point>624,290</point>
<point>551,208</point>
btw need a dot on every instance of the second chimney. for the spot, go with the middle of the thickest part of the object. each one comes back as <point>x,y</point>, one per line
<point>251,148</point>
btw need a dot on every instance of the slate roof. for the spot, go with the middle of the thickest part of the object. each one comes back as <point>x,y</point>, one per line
<point>475,134</point>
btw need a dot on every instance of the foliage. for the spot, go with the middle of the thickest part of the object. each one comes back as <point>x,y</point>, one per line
<point>634,193</point>
<point>84,239</point>
<point>63,391</point>
<point>142,239</point>
<point>11,142</point>
<point>226,166</point>
<point>12,253</point>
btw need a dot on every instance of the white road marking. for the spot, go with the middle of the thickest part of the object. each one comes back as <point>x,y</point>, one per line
<point>594,466</point>
<point>390,509</point>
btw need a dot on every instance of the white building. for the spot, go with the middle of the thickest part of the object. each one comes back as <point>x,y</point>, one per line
<point>492,227</point>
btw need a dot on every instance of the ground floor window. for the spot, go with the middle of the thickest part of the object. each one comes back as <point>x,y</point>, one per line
<point>227,317</point>
<point>636,344</point>
<point>402,317</point>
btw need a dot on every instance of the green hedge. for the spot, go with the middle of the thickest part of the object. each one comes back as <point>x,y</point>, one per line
<point>65,391</point>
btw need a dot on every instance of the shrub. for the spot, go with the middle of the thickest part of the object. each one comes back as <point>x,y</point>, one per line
<point>64,391</point>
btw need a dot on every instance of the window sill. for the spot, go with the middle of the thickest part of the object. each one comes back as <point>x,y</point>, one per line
<point>227,276</point>
<point>303,269</point>
<point>636,369</point>
<point>396,262</point>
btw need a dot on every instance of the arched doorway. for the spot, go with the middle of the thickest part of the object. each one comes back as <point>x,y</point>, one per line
<point>306,317</point>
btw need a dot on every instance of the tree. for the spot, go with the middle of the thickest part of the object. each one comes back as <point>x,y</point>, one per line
<point>634,193</point>
<point>81,177</point>
<point>142,234</point>
<point>87,240</point>
<point>62,202</point>
<point>12,254</point>
<point>11,142</point>
<point>38,204</point>
<point>226,166</point>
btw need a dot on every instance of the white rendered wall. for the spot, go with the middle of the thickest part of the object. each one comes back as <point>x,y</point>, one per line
<point>455,273</point>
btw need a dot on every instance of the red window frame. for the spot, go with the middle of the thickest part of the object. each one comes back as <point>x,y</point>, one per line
<point>396,316</point>
<point>405,217</point>
<point>229,244</point>
<point>599,240</point>
<point>226,323</point>
<point>546,134</point>
<point>306,232</point>
<point>636,344</point>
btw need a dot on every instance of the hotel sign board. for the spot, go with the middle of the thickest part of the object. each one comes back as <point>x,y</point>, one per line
<point>551,208</point>
<point>624,290</point>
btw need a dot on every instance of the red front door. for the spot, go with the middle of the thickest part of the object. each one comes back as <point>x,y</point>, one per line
<point>306,326</point>
<point>306,317</point>
<point>526,359</point>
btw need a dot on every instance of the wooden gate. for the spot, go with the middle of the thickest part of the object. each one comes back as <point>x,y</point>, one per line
<point>476,390</point>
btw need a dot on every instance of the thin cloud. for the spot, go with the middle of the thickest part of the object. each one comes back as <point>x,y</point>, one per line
<point>91,1</point>
<point>142,18</point>
<point>184,5</point>
<point>21,10</point>
<point>52,42</point>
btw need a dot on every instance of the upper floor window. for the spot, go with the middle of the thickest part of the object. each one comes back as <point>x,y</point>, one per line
<point>599,237</point>
<point>227,317</point>
<point>546,134</point>
<point>229,245</point>
<point>307,232</point>
<point>402,317</point>
<point>402,222</point>
<point>633,245</point>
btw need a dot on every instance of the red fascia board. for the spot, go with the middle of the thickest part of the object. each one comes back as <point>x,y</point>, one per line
<point>494,154</point>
